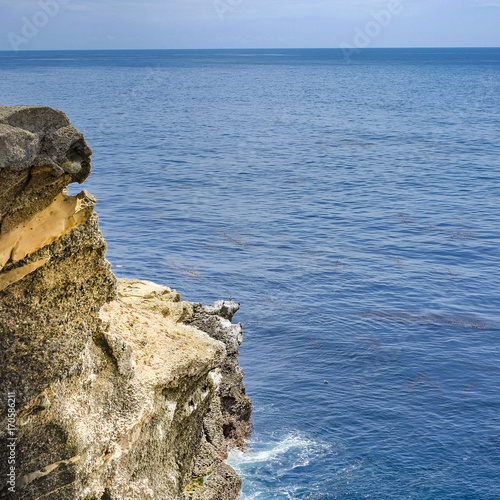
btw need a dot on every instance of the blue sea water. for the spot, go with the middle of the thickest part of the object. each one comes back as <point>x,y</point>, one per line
<point>351,207</point>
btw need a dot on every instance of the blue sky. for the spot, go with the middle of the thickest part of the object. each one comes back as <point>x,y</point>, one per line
<point>134,24</point>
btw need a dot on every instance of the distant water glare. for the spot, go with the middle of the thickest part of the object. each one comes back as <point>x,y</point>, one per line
<point>352,208</point>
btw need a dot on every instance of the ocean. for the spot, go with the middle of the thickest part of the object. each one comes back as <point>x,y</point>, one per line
<point>351,206</point>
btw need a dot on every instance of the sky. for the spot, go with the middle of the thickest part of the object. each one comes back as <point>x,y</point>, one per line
<point>192,24</point>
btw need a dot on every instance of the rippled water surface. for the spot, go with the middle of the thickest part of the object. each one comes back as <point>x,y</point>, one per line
<point>352,209</point>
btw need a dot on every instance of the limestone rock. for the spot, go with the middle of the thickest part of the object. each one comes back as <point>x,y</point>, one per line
<point>236,406</point>
<point>18,148</point>
<point>40,154</point>
<point>156,297</point>
<point>122,390</point>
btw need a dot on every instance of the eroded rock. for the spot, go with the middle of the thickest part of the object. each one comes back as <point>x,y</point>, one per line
<point>236,406</point>
<point>40,154</point>
<point>123,390</point>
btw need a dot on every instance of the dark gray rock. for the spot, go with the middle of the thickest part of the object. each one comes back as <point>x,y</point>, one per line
<point>236,406</point>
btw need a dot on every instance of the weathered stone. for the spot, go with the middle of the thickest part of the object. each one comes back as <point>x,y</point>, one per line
<point>118,396</point>
<point>18,273</point>
<point>59,218</point>
<point>18,148</point>
<point>156,297</point>
<point>36,119</point>
<point>40,154</point>
<point>236,406</point>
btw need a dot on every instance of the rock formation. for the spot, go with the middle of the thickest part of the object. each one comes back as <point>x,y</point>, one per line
<point>110,389</point>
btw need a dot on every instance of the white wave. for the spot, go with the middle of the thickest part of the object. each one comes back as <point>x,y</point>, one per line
<point>278,458</point>
<point>253,455</point>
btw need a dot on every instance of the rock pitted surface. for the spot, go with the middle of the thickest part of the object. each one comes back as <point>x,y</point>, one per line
<point>236,406</point>
<point>122,390</point>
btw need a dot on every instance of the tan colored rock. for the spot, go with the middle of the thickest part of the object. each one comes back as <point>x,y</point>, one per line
<point>116,398</point>
<point>155,297</point>
<point>142,437</point>
<point>161,349</point>
<point>46,226</point>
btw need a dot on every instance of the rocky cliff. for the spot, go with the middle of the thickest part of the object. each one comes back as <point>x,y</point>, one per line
<point>110,389</point>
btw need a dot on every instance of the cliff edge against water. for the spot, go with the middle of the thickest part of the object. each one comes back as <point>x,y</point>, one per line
<point>110,389</point>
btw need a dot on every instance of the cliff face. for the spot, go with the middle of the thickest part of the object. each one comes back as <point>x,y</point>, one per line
<point>120,389</point>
